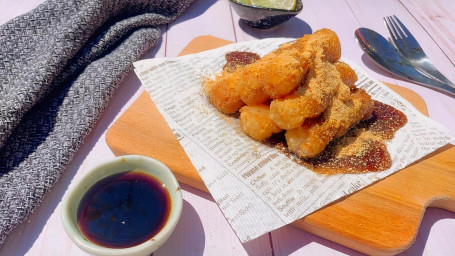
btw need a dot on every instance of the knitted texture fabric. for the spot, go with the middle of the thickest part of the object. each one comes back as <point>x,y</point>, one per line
<point>60,64</point>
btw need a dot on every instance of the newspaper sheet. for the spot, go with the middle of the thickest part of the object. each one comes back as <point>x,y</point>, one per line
<point>257,188</point>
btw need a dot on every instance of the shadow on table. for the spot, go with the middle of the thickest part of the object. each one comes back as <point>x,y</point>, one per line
<point>373,66</point>
<point>288,240</point>
<point>252,248</point>
<point>294,28</point>
<point>431,216</point>
<point>188,237</point>
<point>196,9</point>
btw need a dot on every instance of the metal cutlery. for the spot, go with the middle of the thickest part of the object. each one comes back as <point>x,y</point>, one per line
<point>410,48</point>
<point>383,53</point>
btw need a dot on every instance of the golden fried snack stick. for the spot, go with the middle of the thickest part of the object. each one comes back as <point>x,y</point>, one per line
<point>271,77</point>
<point>328,41</point>
<point>250,87</point>
<point>223,93</point>
<point>256,123</point>
<point>275,75</point>
<point>311,99</point>
<point>322,82</point>
<point>284,74</point>
<point>347,74</point>
<point>313,136</point>
<point>323,39</point>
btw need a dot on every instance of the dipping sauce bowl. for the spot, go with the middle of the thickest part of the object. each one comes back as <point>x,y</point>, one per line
<point>126,206</point>
<point>263,18</point>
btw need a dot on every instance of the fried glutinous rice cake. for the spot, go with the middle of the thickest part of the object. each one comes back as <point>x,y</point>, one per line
<point>302,92</point>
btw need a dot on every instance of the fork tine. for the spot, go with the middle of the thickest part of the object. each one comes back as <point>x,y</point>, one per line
<point>390,28</point>
<point>397,27</point>
<point>405,30</point>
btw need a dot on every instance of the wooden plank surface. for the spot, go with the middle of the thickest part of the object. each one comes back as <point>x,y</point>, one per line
<point>438,20</point>
<point>202,229</point>
<point>382,219</point>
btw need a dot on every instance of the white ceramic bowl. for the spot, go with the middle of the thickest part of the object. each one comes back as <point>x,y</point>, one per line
<point>77,190</point>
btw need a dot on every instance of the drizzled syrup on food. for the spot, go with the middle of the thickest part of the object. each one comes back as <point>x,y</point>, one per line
<point>386,120</point>
<point>362,149</point>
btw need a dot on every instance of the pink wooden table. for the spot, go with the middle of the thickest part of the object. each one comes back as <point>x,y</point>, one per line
<point>202,229</point>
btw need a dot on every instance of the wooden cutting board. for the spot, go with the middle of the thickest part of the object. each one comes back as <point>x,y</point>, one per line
<point>382,219</point>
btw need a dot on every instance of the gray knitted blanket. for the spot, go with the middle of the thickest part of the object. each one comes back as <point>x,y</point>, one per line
<point>60,64</point>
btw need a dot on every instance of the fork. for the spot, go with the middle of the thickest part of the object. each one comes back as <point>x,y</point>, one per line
<point>410,48</point>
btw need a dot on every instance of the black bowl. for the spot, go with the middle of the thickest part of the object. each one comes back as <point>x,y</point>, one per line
<point>259,17</point>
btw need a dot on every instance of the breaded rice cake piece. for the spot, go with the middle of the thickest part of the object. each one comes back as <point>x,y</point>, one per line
<point>313,136</point>
<point>347,74</point>
<point>223,93</point>
<point>311,99</point>
<point>256,123</point>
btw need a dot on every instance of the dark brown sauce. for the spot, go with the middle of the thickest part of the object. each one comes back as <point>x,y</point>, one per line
<point>386,120</point>
<point>371,157</point>
<point>364,143</point>
<point>124,210</point>
<point>235,60</point>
